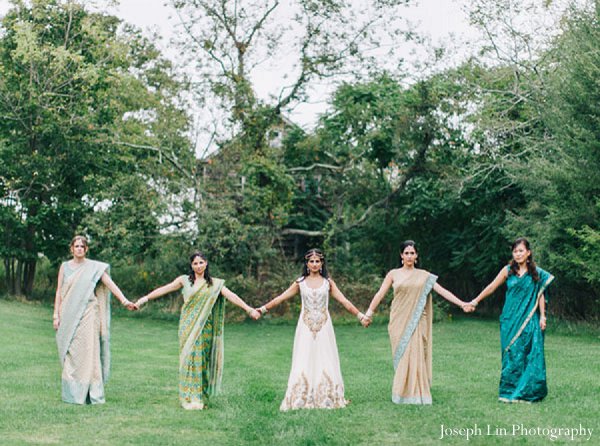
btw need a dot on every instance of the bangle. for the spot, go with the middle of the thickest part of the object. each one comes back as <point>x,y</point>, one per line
<point>263,309</point>
<point>369,313</point>
<point>125,302</point>
<point>55,316</point>
<point>360,316</point>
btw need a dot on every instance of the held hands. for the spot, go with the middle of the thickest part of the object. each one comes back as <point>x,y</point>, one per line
<point>254,314</point>
<point>365,319</point>
<point>130,305</point>
<point>469,307</point>
<point>141,301</point>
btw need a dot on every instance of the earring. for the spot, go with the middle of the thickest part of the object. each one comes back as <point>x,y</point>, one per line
<point>320,270</point>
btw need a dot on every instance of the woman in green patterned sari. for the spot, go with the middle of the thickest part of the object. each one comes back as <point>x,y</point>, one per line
<point>200,330</point>
<point>81,320</point>
<point>522,325</point>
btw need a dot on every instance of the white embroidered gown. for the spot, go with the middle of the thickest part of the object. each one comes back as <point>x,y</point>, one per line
<point>315,379</point>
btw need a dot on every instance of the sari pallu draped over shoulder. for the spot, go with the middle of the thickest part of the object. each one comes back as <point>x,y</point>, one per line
<point>523,376</point>
<point>201,341</point>
<point>410,336</point>
<point>83,337</point>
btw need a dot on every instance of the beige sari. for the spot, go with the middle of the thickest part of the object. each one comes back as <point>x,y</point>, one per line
<point>410,336</point>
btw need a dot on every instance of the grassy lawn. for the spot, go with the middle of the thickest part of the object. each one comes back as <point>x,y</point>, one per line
<point>142,405</point>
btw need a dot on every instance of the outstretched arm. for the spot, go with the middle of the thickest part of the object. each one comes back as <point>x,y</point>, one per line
<point>493,286</point>
<point>450,297</point>
<point>237,300</point>
<point>160,291</point>
<point>339,296</point>
<point>379,295</point>
<point>290,292</point>
<point>58,299</point>
<point>106,280</point>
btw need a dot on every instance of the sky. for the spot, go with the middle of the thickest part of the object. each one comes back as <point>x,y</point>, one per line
<point>442,21</point>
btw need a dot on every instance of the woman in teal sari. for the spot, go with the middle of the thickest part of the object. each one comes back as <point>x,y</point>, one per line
<point>81,320</point>
<point>200,330</point>
<point>522,325</point>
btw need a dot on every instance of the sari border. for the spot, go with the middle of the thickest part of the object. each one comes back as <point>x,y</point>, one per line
<point>412,324</point>
<point>425,400</point>
<point>531,313</point>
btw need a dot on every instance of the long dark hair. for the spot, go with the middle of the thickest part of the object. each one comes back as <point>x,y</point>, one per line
<point>321,256</point>
<point>192,275</point>
<point>405,244</point>
<point>531,266</point>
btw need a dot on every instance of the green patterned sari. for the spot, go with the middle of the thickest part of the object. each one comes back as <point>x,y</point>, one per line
<point>200,342</point>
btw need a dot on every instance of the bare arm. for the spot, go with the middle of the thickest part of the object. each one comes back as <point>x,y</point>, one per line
<point>449,296</point>
<point>106,280</point>
<point>339,296</point>
<point>165,289</point>
<point>383,289</point>
<point>290,292</point>
<point>542,312</point>
<point>58,298</point>
<point>493,286</point>
<point>237,300</point>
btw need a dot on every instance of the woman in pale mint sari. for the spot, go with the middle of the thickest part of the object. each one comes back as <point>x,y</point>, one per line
<point>411,317</point>
<point>200,330</point>
<point>81,320</point>
<point>522,325</point>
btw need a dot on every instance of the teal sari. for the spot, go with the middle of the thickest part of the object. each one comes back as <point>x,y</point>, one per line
<point>523,376</point>
<point>200,342</point>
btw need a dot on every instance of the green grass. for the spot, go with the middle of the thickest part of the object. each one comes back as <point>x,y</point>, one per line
<point>142,405</point>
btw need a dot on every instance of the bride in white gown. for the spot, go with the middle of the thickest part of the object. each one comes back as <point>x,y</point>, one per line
<point>315,379</point>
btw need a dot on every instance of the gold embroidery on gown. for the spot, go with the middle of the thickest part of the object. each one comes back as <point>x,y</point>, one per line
<point>325,395</point>
<point>315,310</point>
<point>315,379</point>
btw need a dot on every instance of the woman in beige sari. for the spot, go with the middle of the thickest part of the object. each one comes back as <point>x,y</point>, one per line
<point>82,321</point>
<point>200,330</point>
<point>410,323</point>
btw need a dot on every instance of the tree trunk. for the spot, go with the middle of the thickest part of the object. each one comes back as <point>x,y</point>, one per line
<point>28,277</point>
<point>9,268</point>
<point>17,274</point>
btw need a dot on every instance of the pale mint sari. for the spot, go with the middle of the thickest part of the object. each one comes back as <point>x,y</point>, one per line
<point>83,335</point>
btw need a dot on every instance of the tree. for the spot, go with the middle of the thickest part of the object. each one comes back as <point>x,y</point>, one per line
<point>81,99</point>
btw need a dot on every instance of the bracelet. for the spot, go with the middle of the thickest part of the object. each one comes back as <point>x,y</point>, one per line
<point>143,300</point>
<point>263,309</point>
<point>360,316</point>
<point>369,313</point>
<point>55,316</point>
<point>125,302</point>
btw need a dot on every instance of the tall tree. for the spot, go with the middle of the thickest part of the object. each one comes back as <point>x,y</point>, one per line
<point>79,96</point>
